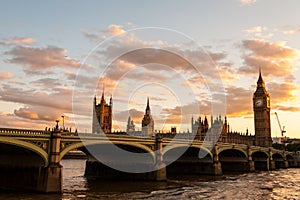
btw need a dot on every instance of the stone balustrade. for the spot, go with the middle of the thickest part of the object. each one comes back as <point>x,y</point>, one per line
<point>10,132</point>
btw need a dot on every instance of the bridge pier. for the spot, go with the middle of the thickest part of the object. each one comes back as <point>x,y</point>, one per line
<point>286,163</point>
<point>161,173</point>
<point>271,164</point>
<point>216,168</point>
<point>293,162</point>
<point>250,161</point>
<point>52,179</point>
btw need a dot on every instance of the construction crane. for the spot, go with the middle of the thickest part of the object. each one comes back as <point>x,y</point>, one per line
<point>281,129</point>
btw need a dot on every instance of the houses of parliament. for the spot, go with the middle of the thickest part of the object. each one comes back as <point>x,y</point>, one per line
<point>218,130</point>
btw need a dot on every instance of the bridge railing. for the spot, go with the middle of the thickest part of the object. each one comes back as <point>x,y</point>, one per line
<point>11,131</point>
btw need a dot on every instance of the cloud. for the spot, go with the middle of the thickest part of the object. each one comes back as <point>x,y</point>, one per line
<point>37,113</point>
<point>130,25</point>
<point>291,32</point>
<point>21,40</point>
<point>41,58</point>
<point>10,120</point>
<point>256,29</point>
<point>165,59</point>
<point>40,109</point>
<point>6,75</point>
<point>47,83</point>
<point>135,115</point>
<point>92,37</point>
<point>281,92</point>
<point>280,68</point>
<point>275,59</point>
<point>287,108</point>
<point>239,101</point>
<point>259,32</point>
<point>60,99</point>
<point>247,2</point>
<point>265,49</point>
<point>29,118</point>
<point>41,113</point>
<point>114,29</point>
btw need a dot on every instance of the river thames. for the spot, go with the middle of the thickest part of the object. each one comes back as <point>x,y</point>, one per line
<point>278,184</point>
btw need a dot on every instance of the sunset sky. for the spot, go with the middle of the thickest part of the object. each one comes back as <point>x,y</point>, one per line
<point>190,58</point>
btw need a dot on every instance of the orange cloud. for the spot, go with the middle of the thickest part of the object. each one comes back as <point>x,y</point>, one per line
<point>21,40</point>
<point>291,32</point>
<point>239,101</point>
<point>12,121</point>
<point>5,75</point>
<point>269,50</point>
<point>114,29</point>
<point>281,92</point>
<point>256,29</point>
<point>275,59</point>
<point>38,113</point>
<point>287,108</point>
<point>41,58</point>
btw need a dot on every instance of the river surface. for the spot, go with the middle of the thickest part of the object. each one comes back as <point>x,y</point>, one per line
<point>278,184</point>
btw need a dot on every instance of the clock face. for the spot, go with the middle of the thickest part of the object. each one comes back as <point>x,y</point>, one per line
<point>258,102</point>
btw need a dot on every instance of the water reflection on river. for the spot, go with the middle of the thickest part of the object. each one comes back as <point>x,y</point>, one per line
<point>278,184</point>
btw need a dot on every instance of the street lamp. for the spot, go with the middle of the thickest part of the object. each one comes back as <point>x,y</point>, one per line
<point>56,127</point>
<point>63,120</point>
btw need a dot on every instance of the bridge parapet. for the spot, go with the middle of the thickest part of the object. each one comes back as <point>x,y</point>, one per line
<point>12,132</point>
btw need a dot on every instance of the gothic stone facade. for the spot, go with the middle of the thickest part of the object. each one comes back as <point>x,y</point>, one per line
<point>147,122</point>
<point>102,116</point>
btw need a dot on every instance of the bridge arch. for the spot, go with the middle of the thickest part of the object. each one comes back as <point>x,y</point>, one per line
<point>88,143</point>
<point>171,147</point>
<point>233,160</point>
<point>234,149</point>
<point>291,160</point>
<point>260,159</point>
<point>187,159</point>
<point>279,160</point>
<point>27,145</point>
<point>262,152</point>
<point>277,156</point>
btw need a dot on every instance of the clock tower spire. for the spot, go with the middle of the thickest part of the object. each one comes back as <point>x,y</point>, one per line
<point>261,108</point>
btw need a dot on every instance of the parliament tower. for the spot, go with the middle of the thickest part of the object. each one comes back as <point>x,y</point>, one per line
<point>102,116</point>
<point>261,108</point>
<point>147,122</point>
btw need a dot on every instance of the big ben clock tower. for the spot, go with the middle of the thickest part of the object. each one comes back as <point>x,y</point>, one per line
<point>261,107</point>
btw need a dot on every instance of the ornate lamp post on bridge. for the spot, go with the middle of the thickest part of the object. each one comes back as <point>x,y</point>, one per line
<point>63,121</point>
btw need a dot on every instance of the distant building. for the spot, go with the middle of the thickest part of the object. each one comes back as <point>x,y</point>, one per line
<point>102,116</point>
<point>277,140</point>
<point>130,126</point>
<point>293,140</point>
<point>148,122</point>
<point>219,130</point>
<point>199,127</point>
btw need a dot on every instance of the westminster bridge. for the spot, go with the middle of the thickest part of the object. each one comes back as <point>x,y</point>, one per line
<point>30,159</point>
